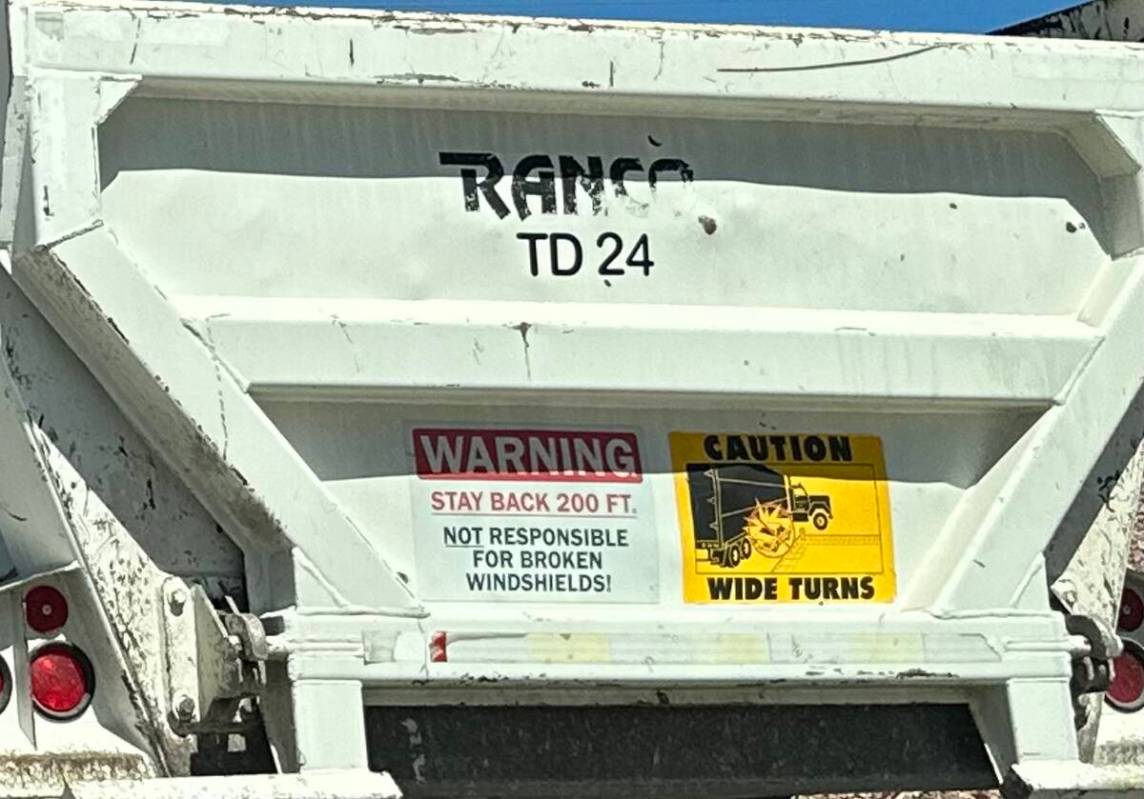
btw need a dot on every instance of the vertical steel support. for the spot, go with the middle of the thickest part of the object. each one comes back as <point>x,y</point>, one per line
<point>330,724</point>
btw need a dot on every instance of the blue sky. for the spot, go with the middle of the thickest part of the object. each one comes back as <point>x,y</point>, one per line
<point>933,15</point>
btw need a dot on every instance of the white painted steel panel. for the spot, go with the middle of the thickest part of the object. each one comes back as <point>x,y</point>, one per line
<point>283,242</point>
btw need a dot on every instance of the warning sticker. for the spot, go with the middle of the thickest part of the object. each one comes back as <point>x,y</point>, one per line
<point>783,518</point>
<point>532,516</point>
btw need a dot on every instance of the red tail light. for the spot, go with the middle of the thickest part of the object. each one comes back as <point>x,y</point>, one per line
<point>1127,689</point>
<point>62,681</point>
<point>438,648</point>
<point>5,685</point>
<point>1131,611</point>
<point>45,609</point>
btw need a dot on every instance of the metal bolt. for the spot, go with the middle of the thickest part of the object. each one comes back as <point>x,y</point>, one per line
<point>178,600</point>
<point>185,708</point>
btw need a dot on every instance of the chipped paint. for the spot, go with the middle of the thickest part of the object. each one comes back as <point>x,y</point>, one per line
<point>206,357</point>
<point>47,774</point>
<point>343,784</point>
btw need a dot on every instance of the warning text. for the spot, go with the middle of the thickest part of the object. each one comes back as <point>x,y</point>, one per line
<point>532,516</point>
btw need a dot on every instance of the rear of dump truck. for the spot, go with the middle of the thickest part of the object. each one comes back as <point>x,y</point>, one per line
<point>498,407</point>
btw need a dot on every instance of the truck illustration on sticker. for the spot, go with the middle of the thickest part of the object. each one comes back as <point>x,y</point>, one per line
<point>743,508</point>
<point>783,518</point>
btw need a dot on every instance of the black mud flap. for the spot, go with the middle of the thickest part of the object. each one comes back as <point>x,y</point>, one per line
<point>680,751</point>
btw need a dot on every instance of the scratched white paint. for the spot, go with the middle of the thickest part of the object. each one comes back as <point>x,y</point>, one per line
<point>255,228</point>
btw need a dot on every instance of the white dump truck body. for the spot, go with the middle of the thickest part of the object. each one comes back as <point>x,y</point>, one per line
<point>531,407</point>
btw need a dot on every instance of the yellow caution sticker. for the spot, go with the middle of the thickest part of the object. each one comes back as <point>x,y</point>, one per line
<point>783,518</point>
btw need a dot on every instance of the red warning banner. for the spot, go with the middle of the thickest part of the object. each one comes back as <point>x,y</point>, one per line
<point>535,455</point>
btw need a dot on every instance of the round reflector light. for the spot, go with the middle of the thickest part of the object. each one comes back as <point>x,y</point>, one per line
<point>62,681</point>
<point>1127,689</point>
<point>1131,611</point>
<point>5,685</point>
<point>45,609</point>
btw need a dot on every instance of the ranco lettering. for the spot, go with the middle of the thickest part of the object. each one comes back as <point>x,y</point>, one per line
<point>778,448</point>
<point>536,176</point>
